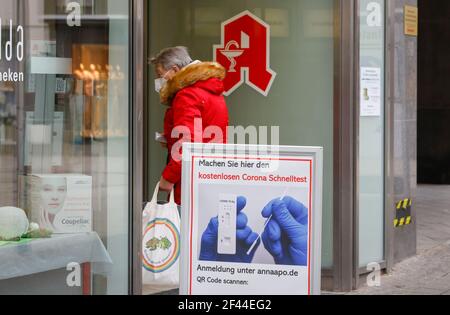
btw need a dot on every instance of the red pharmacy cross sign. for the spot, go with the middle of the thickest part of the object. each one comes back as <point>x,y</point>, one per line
<point>245,53</point>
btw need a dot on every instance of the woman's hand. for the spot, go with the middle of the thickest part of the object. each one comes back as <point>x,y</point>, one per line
<point>165,185</point>
<point>161,139</point>
<point>45,221</point>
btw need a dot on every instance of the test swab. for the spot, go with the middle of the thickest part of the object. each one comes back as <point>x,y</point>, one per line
<point>265,225</point>
<point>259,236</point>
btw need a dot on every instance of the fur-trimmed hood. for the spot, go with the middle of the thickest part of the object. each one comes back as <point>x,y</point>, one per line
<point>189,76</point>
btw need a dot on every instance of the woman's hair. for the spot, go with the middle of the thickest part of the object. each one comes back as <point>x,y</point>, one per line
<point>172,56</point>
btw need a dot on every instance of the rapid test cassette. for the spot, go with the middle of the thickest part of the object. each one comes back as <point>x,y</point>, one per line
<point>227,224</point>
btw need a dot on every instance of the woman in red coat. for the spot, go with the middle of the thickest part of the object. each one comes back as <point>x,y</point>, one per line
<point>193,91</point>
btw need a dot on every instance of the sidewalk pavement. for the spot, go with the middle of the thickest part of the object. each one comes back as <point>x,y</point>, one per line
<point>428,273</point>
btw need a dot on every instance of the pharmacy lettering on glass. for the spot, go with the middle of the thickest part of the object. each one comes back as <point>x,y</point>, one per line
<point>245,53</point>
<point>11,50</point>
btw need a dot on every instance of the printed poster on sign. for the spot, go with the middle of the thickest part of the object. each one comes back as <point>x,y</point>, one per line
<point>254,221</point>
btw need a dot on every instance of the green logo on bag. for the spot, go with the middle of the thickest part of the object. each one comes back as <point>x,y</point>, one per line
<point>162,245</point>
<point>156,243</point>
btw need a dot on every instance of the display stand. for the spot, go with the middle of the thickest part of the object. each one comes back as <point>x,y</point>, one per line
<point>31,259</point>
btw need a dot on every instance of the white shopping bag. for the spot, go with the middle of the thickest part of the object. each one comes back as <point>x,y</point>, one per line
<point>161,244</point>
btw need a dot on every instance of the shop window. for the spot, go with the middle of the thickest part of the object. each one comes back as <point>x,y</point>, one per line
<point>64,140</point>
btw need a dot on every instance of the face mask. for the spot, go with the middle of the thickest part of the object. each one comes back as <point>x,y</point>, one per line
<point>159,84</point>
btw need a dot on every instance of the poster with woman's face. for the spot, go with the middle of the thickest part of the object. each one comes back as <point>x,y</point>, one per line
<point>54,192</point>
<point>61,203</point>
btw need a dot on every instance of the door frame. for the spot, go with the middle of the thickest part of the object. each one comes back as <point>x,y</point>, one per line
<point>138,82</point>
<point>343,271</point>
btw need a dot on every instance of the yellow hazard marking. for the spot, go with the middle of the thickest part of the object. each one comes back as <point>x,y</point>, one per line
<point>408,220</point>
<point>406,205</point>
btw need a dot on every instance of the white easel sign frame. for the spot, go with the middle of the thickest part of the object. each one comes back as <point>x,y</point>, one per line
<point>272,244</point>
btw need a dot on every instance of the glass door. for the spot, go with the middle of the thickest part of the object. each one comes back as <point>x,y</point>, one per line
<point>64,145</point>
<point>371,166</point>
<point>300,98</point>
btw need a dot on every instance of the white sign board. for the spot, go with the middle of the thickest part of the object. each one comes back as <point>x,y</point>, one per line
<point>38,134</point>
<point>251,220</point>
<point>370,92</point>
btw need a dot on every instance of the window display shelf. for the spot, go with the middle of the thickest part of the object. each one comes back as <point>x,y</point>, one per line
<point>43,255</point>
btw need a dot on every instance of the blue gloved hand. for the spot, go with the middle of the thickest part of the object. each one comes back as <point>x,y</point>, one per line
<point>286,235</point>
<point>245,238</point>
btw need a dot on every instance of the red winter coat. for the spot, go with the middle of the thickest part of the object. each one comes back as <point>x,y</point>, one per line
<point>196,92</point>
